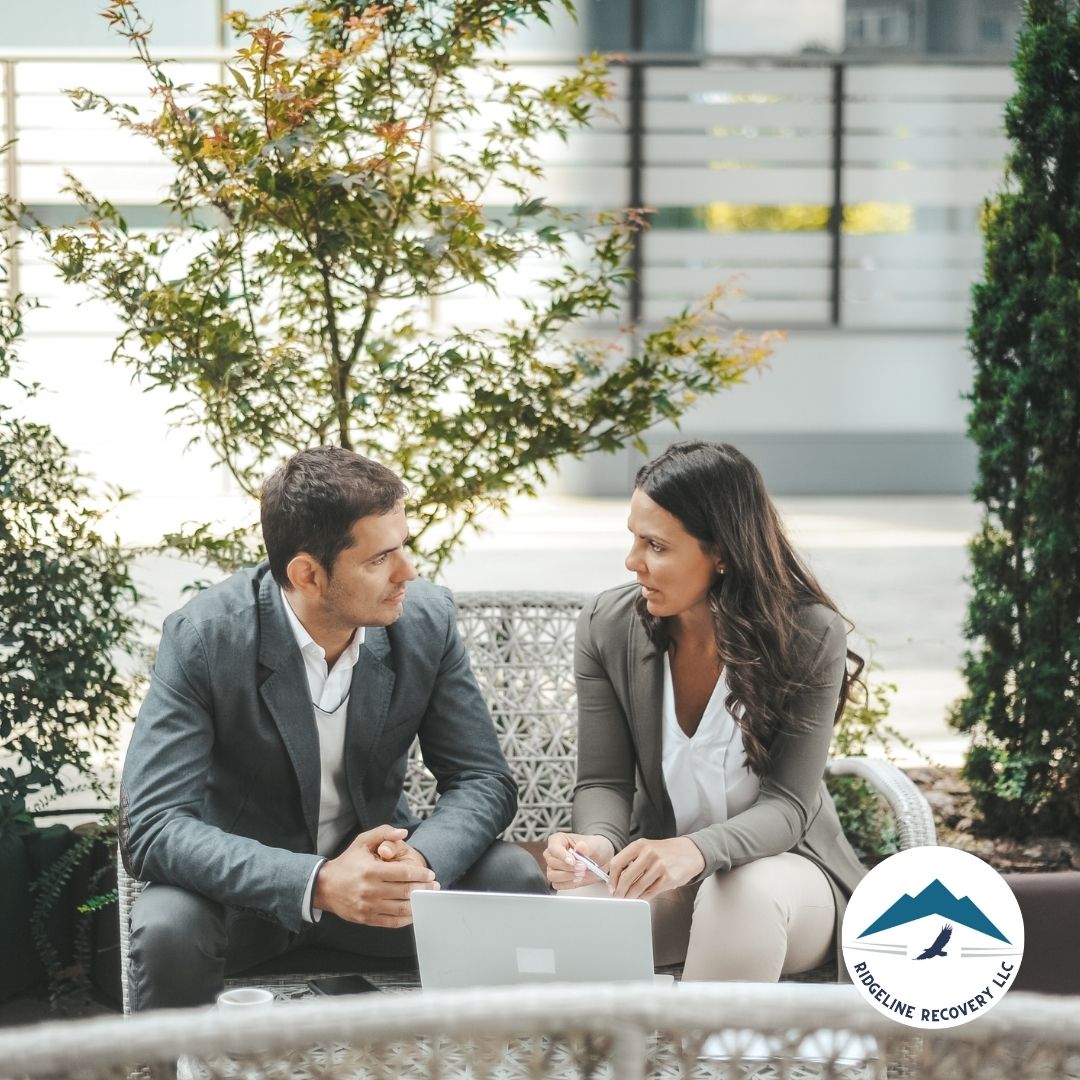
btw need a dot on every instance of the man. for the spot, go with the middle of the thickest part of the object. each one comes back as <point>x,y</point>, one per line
<point>262,790</point>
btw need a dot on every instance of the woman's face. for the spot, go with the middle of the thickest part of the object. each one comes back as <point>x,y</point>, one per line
<point>674,573</point>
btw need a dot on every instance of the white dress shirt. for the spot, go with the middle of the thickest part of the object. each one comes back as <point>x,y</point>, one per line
<point>329,693</point>
<point>706,774</point>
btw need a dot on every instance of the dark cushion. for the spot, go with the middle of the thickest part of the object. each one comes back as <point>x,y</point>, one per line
<point>1050,904</point>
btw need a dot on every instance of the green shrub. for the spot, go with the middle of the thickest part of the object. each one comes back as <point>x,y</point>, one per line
<point>66,622</point>
<point>864,729</point>
<point>67,599</point>
<point>68,635</point>
<point>1023,668</point>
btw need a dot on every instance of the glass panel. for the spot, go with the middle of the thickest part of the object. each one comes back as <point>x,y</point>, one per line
<point>676,26</point>
<point>985,29</point>
<point>564,37</point>
<point>774,27</point>
<point>61,24</point>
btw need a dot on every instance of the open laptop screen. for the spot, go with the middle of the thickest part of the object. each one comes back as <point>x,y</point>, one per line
<point>500,939</point>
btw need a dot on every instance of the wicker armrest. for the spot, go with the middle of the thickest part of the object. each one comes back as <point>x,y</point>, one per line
<point>913,816</point>
<point>127,889</point>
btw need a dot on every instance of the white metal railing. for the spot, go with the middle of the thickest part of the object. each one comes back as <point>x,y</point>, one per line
<point>840,194</point>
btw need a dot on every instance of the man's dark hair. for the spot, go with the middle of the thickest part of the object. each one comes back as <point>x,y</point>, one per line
<point>311,503</point>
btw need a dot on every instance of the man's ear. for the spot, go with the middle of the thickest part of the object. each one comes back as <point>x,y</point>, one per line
<point>306,574</point>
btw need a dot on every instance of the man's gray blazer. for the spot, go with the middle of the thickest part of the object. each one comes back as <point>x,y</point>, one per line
<point>220,789</point>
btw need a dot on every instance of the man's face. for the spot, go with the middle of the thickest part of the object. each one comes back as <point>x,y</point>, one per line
<point>367,585</point>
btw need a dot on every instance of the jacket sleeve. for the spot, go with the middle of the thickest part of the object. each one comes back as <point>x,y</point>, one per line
<point>477,796</point>
<point>790,792</point>
<point>604,795</point>
<point>162,835</point>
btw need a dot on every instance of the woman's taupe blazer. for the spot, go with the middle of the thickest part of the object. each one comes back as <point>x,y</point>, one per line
<point>620,790</point>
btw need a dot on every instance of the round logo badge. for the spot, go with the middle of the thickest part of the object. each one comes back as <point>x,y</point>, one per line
<point>933,937</point>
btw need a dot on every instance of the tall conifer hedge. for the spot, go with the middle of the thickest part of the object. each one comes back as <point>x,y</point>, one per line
<point>1023,667</point>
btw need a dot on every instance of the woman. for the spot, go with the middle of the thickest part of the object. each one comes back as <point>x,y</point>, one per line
<point>707,693</point>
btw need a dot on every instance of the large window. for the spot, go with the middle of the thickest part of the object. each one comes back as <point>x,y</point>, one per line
<point>724,27</point>
<point>65,24</point>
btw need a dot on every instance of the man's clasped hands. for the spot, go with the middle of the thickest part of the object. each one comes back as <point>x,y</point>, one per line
<point>370,881</point>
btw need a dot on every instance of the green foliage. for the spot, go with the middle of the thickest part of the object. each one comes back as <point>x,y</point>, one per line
<point>97,903</point>
<point>227,551</point>
<point>864,729</point>
<point>66,601</point>
<point>1023,668</point>
<point>324,193</point>
<point>66,604</point>
<point>69,889</point>
<point>15,819</point>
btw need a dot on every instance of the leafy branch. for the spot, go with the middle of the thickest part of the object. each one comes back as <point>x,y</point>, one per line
<point>325,195</point>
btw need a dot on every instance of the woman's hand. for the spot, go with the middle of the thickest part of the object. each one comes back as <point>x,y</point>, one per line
<point>648,867</point>
<point>563,870</point>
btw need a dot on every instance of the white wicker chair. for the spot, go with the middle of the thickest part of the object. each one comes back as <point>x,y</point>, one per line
<point>628,1032</point>
<point>521,646</point>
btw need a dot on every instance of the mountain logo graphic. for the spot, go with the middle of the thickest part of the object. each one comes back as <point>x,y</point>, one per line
<point>932,937</point>
<point>935,899</point>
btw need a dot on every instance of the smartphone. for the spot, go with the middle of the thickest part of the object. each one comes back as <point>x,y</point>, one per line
<point>342,984</point>
<point>590,865</point>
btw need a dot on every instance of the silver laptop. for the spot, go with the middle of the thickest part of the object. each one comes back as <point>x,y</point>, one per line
<point>498,939</point>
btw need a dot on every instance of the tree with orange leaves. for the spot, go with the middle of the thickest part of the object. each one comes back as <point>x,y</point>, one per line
<point>341,179</point>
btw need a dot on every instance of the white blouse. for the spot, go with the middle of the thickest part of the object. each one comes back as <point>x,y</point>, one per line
<point>706,774</point>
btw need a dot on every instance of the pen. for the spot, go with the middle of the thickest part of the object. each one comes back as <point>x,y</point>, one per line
<point>590,865</point>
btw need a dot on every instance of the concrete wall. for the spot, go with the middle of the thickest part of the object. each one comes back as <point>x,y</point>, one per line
<point>835,413</point>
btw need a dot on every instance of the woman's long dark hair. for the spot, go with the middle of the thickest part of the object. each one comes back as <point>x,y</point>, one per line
<point>719,497</point>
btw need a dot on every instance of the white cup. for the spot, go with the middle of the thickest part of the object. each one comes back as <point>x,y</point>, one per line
<point>246,997</point>
<point>243,997</point>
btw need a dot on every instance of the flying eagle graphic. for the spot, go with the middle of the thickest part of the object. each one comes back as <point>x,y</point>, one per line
<point>938,948</point>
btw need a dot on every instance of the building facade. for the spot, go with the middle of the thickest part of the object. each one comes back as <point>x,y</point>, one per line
<point>839,186</point>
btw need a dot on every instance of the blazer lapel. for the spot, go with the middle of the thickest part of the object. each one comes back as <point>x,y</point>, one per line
<point>284,692</point>
<point>646,671</point>
<point>369,704</point>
